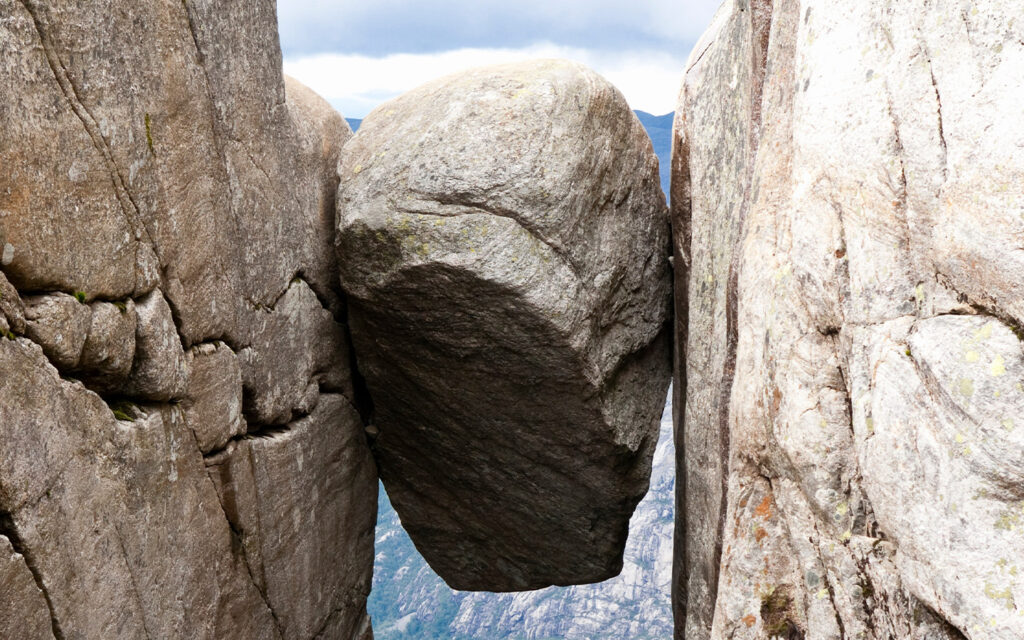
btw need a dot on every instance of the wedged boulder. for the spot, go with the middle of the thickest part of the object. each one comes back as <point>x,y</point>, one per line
<point>503,240</point>
<point>846,192</point>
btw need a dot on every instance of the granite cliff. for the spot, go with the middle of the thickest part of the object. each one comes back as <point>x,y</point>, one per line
<point>847,196</point>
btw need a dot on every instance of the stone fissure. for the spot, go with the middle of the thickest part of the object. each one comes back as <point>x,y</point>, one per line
<point>9,529</point>
<point>63,78</point>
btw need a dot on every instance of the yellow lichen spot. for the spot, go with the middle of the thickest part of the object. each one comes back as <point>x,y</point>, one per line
<point>984,333</point>
<point>822,594</point>
<point>966,387</point>
<point>919,293</point>
<point>870,422</point>
<point>842,508</point>
<point>847,535</point>
<point>357,168</point>
<point>968,451</point>
<point>784,272</point>
<point>971,356</point>
<point>1000,594</point>
<point>960,438</point>
<point>998,367</point>
<point>1007,424</point>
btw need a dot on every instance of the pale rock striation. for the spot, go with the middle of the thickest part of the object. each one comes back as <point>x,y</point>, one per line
<point>847,195</point>
<point>504,244</point>
<point>167,213</point>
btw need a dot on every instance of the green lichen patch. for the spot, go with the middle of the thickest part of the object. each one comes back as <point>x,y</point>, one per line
<point>124,410</point>
<point>81,297</point>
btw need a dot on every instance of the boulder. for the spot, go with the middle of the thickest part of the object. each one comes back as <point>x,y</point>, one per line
<point>503,240</point>
<point>844,197</point>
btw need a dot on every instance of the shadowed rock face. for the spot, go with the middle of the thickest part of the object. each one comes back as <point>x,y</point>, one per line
<point>846,192</point>
<point>169,308</point>
<point>504,244</point>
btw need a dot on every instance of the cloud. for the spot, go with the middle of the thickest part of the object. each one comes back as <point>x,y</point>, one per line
<point>355,84</point>
<point>379,28</point>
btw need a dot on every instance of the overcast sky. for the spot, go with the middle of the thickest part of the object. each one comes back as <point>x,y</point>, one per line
<point>359,53</point>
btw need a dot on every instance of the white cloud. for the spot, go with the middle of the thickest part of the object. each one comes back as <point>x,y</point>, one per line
<point>355,84</point>
<point>382,27</point>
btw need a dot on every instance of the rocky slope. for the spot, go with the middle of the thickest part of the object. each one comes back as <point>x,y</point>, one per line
<point>847,196</point>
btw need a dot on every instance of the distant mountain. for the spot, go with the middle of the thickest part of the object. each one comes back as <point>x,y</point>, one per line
<point>659,128</point>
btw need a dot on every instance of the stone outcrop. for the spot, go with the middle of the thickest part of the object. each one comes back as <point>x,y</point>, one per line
<point>847,203</point>
<point>504,243</point>
<point>169,309</point>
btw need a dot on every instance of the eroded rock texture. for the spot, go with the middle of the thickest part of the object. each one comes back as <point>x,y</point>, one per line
<point>847,193</point>
<point>169,308</point>
<point>504,243</point>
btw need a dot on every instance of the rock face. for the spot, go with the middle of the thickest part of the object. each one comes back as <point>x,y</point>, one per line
<point>847,198</point>
<point>167,215</point>
<point>503,242</point>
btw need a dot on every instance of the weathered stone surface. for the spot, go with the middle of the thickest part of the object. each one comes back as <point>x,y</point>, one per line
<point>299,498</point>
<point>109,349</point>
<point>297,349</point>
<point>23,611</point>
<point>213,400</point>
<point>12,309</point>
<point>321,134</point>
<point>159,371</point>
<point>504,242</point>
<point>154,165</point>
<point>122,524</point>
<point>60,324</point>
<point>844,190</point>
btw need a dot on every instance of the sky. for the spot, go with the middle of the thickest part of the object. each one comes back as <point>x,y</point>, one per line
<point>360,53</point>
